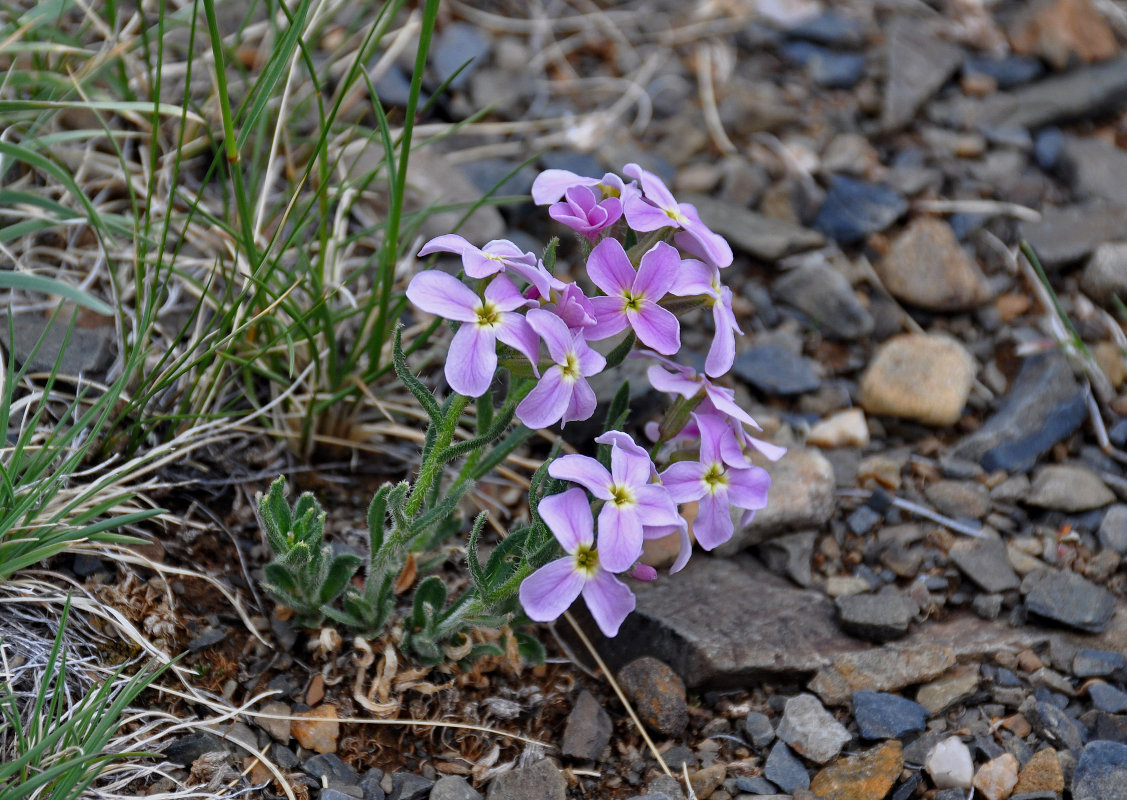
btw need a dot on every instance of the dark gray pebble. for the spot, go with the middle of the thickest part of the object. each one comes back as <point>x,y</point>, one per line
<point>880,715</point>
<point>786,770</point>
<point>1101,773</point>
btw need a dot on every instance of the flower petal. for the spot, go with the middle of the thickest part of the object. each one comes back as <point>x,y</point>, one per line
<point>581,403</point>
<point>713,524</point>
<point>515,331</point>
<point>549,591</point>
<point>655,505</point>
<point>609,600</point>
<point>628,466</point>
<point>472,360</point>
<point>551,184</point>
<point>653,186</point>
<point>684,480</point>
<point>620,537</point>
<point>553,331</point>
<point>609,267</point>
<point>568,517</point>
<point>722,352</point>
<point>656,327</point>
<point>712,247</point>
<point>546,403</point>
<point>505,294</point>
<point>446,243</point>
<point>665,381</point>
<point>610,318</point>
<point>585,471</point>
<point>693,278</point>
<point>747,488</point>
<point>443,295</point>
<point>643,216</point>
<point>657,271</point>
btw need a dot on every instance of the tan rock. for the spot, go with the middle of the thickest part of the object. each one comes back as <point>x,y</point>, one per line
<point>865,776</point>
<point>882,670</point>
<point>997,778</point>
<point>707,780</point>
<point>1062,30</point>
<point>956,685</point>
<point>320,731</point>
<point>844,429</point>
<point>919,376</point>
<point>1042,773</point>
<point>1068,487</point>
<point>927,267</point>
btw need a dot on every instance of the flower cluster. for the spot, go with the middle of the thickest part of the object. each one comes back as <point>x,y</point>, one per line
<point>646,256</point>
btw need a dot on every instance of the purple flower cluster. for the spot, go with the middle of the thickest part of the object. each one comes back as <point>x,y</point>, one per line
<point>703,438</point>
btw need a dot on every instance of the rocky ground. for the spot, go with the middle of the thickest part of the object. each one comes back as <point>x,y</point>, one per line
<point>934,598</point>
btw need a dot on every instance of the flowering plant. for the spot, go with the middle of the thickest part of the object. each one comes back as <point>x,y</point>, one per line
<point>647,257</point>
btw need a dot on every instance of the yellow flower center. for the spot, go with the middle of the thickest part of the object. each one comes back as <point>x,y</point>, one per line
<point>570,367</point>
<point>621,495</point>
<point>676,215</point>
<point>608,191</point>
<point>487,315</point>
<point>715,478</point>
<point>586,560</point>
<point>633,302</point>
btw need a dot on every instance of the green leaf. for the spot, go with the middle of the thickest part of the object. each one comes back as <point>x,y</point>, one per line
<point>530,649</point>
<point>476,571</point>
<point>280,581</point>
<point>340,572</point>
<point>616,419</point>
<point>44,285</point>
<point>377,519</point>
<point>621,350</point>
<point>549,258</point>
<point>275,514</point>
<point>430,594</point>
<point>422,394</point>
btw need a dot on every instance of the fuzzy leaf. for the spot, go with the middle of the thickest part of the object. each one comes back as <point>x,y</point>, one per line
<point>476,571</point>
<point>619,353</point>
<point>431,594</point>
<point>549,258</point>
<point>280,581</point>
<point>274,512</point>
<point>340,571</point>
<point>377,519</point>
<point>530,649</point>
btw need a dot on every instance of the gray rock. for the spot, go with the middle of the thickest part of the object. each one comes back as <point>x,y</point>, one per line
<point>966,499</point>
<point>457,43</point>
<point>434,180</point>
<point>1068,487</point>
<point>758,728</point>
<point>542,779</point>
<point>791,555</point>
<point>206,639</point>
<point>727,621</point>
<point>409,786</point>
<point>330,767</point>
<point>1091,663</point>
<point>811,730</point>
<point>1059,729</point>
<point>985,562</point>
<point>987,606</point>
<point>880,715</point>
<point>1106,697</point>
<point>786,770</point>
<point>824,295</point>
<point>833,29</point>
<point>927,267</point>
<point>1068,234</point>
<point>665,786</point>
<point>588,729</point>
<point>1076,94</point>
<point>1069,599</point>
<point>762,237</point>
<point>876,617</point>
<point>1101,773</point>
<point>854,209</point>
<point>1096,169</point>
<point>919,63</point>
<point>755,785</point>
<point>1044,405</point>
<point>39,344</point>
<point>453,787</point>
<point>186,749</point>
<point>826,67</point>
<point>658,694</point>
<point>279,729</point>
<point>1007,72</point>
<point>1105,275</point>
<point>331,793</point>
<point>772,369</point>
<point>372,784</point>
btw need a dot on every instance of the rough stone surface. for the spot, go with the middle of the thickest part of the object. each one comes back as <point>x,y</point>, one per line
<point>811,730</point>
<point>757,235</point>
<point>1056,727</point>
<point>844,429</point>
<point>854,209</point>
<point>1044,405</point>
<point>78,351</point>
<point>927,267</point>
<point>542,780</point>
<point>876,617</point>
<point>279,729</point>
<point>409,786</point>
<point>985,562</point>
<point>588,729</point>
<point>773,370</point>
<point>919,62</point>
<point>786,770</point>
<point>863,776</point>
<point>1068,487</point>
<point>1113,529</point>
<point>939,695</point>
<point>880,715</point>
<point>1101,773</point>
<point>658,694</point>
<point>1105,275</point>
<point>824,295</point>
<point>1062,32</point>
<point>959,498</point>
<point>706,781</point>
<point>919,376</point>
<point>1070,599</point>
<point>453,787</point>
<point>758,729</point>
<point>997,777</point>
<point>802,496</point>
<point>950,765</point>
<point>1096,169</point>
<point>1068,234</point>
<point>881,670</point>
<point>727,621</point>
<point>318,735</point>
<point>1041,773</point>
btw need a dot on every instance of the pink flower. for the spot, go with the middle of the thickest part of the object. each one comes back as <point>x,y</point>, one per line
<point>657,208</point>
<point>721,479</point>
<point>497,255</point>
<point>585,212</point>
<point>472,358</point>
<point>698,278</point>
<point>563,391</point>
<point>550,590</point>
<point>567,302</point>
<point>632,296</point>
<point>631,500</point>
<point>552,184</point>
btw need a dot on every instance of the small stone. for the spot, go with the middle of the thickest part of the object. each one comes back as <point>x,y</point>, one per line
<point>761,237</point>
<point>773,370</point>
<point>1101,773</point>
<point>1071,600</point>
<point>1061,31</point>
<point>588,729</point>
<point>824,295</point>
<point>986,563</point>
<point>279,729</point>
<point>542,779</point>
<point>457,43</point>
<point>949,764</point>
<point>953,687</point>
<point>664,787</point>
<point>919,376</point>
<point>1095,169</point>
<point>791,555</point>
<point>186,749</point>
<point>453,787</point>
<point>864,776</point>
<point>1042,773</point>
<point>1007,72</point>
<point>1056,727</point>
<point>987,606</point>
<point>658,694</point>
<point>880,715</point>
<point>708,780</point>
<point>1113,529</point>
<point>811,730</point>
<point>919,63</point>
<point>1068,234</point>
<point>846,585</point>
<point>1107,698</point>
<point>758,728</point>
<point>844,429</point>
<point>927,267</point>
<point>1068,487</point>
<point>966,499</point>
<point>409,786</point>
<point>320,732</point>
<point>876,617</point>
<point>997,778</point>
<point>784,769</point>
<point>330,767</point>
<point>1091,663</point>
<point>880,669</point>
<point>1105,275</point>
<point>854,209</point>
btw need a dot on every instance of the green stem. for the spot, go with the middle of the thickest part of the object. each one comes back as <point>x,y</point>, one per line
<point>431,469</point>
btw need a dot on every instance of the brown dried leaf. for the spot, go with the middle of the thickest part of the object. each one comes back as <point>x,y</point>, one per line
<point>407,575</point>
